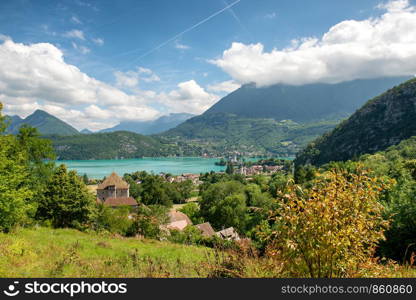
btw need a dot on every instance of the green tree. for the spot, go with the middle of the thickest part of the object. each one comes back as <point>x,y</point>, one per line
<point>113,220</point>
<point>39,158</point>
<point>193,212</point>
<point>67,201</point>
<point>230,168</point>
<point>15,193</point>
<point>149,221</point>
<point>154,192</point>
<point>224,204</point>
<point>304,174</point>
<point>184,188</point>
<point>85,179</point>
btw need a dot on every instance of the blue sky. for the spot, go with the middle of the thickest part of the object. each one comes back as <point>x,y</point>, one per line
<point>115,44</point>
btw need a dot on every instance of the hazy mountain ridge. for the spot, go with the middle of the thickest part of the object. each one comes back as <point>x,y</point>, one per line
<point>304,103</point>
<point>151,127</point>
<point>279,119</point>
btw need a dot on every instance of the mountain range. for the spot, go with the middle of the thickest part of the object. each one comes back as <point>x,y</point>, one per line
<point>277,120</point>
<point>383,121</point>
<point>151,127</point>
<point>45,123</point>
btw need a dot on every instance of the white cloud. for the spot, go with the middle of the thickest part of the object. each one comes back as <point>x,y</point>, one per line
<point>98,41</point>
<point>75,33</point>
<point>180,46</point>
<point>225,86</point>
<point>74,19</point>
<point>127,79</point>
<point>37,77</point>
<point>270,15</point>
<point>376,47</point>
<point>189,97</point>
<point>80,48</point>
<point>131,79</point>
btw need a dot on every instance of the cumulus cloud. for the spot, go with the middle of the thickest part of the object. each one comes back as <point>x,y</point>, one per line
<point>75,33</point>
<point>37,77</point>
<point>224,87</point>
<point>376,47</point>
<point>188,97</point>
<point>131,79</point>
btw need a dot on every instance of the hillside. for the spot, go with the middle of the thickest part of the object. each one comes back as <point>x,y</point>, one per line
<point>44,122</point>
<point>46,252</point>
<point>303,104</point>
<point>219,133</point>
<point>151,127</point>
<point>381,122</point>
<point>115,145</point>
<point>275,120</point>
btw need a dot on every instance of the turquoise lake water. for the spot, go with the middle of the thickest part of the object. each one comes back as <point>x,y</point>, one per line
<point>175,166</point>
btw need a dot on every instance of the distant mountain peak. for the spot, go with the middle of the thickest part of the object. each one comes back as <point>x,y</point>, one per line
<point>159,125</point>
<point>86,131</point>
<point>46,124</point>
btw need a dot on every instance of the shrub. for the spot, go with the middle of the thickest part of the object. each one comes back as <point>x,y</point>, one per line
<point>193,212</point>
<point>149,221</point>
<point>114,220</point>
<point>189,236</point>
<point>329,229</point>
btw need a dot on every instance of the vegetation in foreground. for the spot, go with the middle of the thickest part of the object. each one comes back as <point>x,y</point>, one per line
<point>46,252</point>
<point>334,221</point>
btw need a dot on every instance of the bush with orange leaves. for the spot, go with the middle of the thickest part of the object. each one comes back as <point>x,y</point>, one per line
<point>329,229</point>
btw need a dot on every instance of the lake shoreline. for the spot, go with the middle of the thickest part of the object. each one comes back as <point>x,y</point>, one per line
<point>97,169</point>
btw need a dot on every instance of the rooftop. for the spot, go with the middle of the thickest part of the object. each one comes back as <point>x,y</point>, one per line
<point>113,180</point>
<point>120,201</point>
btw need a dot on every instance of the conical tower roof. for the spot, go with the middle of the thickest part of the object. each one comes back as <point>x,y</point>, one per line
<point>114,180</point>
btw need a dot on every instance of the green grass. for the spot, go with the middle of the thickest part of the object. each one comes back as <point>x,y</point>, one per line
<point>44,252</point>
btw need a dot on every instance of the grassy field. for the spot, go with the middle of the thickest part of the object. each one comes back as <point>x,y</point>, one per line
<point>44,252</point>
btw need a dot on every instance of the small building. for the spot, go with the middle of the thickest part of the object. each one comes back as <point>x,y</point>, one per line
<point>178,220</point>
<point>114,191</point>
<point>206,229</point>
<point>228,234</point>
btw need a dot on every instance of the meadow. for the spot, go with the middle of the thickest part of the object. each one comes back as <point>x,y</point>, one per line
<point>44,252</point>
<point>66,253</point>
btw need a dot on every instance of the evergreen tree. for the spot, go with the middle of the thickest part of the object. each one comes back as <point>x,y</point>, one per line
<point>67,201</point>
<point>230,168</point>
<point>85,179</point>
